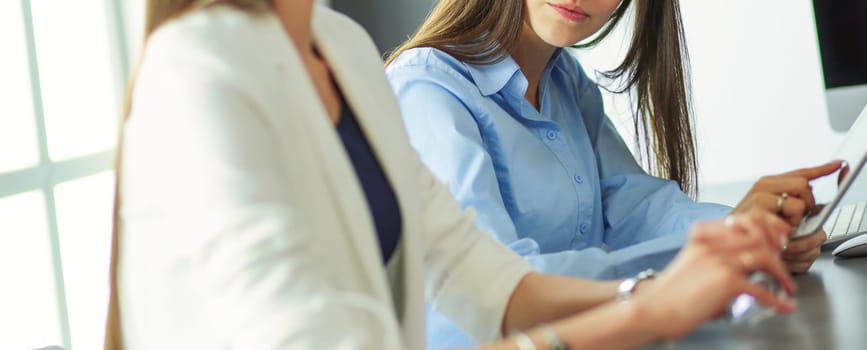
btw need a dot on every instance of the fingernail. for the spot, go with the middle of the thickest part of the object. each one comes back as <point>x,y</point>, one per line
<point>784,242</point>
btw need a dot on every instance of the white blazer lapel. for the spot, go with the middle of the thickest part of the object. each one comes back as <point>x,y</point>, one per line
<point>344,187</point>
<point>352,56</point>
<point>370,98</point>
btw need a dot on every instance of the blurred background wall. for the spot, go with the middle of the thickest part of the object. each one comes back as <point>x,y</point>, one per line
<point>389,22</point>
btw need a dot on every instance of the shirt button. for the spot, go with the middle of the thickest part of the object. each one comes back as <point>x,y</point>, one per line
<point>579,179</point>
<point>584,228</point>
<point>552,135</point>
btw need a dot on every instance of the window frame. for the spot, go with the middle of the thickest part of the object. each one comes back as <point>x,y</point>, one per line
<point>47,173</point>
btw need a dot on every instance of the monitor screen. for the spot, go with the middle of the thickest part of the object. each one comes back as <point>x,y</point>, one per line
<point>841,28</point>
<point>842,31</point>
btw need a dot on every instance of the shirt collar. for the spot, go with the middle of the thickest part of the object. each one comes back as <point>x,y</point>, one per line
<point>491,78</point>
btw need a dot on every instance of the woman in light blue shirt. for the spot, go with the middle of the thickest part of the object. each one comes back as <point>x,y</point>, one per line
<point>499,110</point>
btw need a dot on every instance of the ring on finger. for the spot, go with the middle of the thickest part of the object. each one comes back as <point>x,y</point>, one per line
<point>780,201</point>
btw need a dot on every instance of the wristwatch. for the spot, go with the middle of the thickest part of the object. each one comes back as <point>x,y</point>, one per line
<point>625,288</point>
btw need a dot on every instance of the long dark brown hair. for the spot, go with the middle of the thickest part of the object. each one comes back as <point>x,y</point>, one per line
<point>654,72</point>
<point>157,13</point>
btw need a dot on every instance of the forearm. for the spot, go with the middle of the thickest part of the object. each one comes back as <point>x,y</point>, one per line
<point>541,298</point>
<point>614,326</point>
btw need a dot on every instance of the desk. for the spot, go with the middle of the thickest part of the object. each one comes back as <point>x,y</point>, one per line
<point>831,314</point>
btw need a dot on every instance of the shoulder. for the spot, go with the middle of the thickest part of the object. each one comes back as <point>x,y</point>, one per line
<point>220,31</point>
<point>427,57</point>
<point>438,65</point>
<point>426,65</point>
<point>220,42</point>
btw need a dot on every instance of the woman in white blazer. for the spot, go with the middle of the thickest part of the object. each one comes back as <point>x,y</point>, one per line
<point>244,222</point>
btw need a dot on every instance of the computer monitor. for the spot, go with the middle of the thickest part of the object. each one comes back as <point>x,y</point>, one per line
<point>841,26</point>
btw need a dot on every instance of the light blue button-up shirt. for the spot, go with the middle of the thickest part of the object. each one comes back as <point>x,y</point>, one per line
<point>557,185</point>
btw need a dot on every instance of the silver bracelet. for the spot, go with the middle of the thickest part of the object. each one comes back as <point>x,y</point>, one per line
<point>524,342</point>
<point>625,288</point>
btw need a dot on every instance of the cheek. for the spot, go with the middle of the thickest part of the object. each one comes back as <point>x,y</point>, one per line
<point>547,26</point>
<point>604,8</point>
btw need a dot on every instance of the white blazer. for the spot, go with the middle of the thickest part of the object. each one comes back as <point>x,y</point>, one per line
<point>243,223</point>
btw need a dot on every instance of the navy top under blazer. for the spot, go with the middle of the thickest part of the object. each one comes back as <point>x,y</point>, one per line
<point>380,196</point>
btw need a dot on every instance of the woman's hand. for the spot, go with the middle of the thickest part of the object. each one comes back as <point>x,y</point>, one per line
<point>790,197</point>
<point>713,269</point>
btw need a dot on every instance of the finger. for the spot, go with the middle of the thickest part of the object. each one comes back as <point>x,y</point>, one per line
<point>804,244</point>
<point>815,172</point>
<point>844,170</point>
<point>793,209</point>
<point>800,188</point>
<point>740,232</point>
<point>782,229</point>
<point>799,267</point>
<point>716,236</point>
<point>808,256</point>
<point>793,186</point>
<point>764,297</point>
<point>750,232</point>
<point>772,264</point>
<point>768,227</point>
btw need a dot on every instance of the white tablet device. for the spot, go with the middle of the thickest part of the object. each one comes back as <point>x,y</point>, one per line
<point>841,198</point>
<point>815,221</point>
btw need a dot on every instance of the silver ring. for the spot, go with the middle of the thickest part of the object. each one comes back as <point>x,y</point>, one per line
<point>780,201</point>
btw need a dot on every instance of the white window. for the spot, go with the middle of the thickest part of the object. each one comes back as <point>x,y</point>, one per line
<point>62,74</point>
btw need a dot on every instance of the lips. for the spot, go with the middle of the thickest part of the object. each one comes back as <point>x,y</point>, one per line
<point>569,12</point>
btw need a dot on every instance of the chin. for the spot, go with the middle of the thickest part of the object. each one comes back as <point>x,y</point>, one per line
<point>562,43</point>
<point>561,40</point>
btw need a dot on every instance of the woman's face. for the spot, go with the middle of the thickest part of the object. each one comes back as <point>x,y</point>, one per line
<point>563,23</point>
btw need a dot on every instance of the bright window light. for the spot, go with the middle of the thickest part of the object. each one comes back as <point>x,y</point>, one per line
<point>84,226</point>
<point>18,142</point>
<point>28,299</point>
<point>76,69</point>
